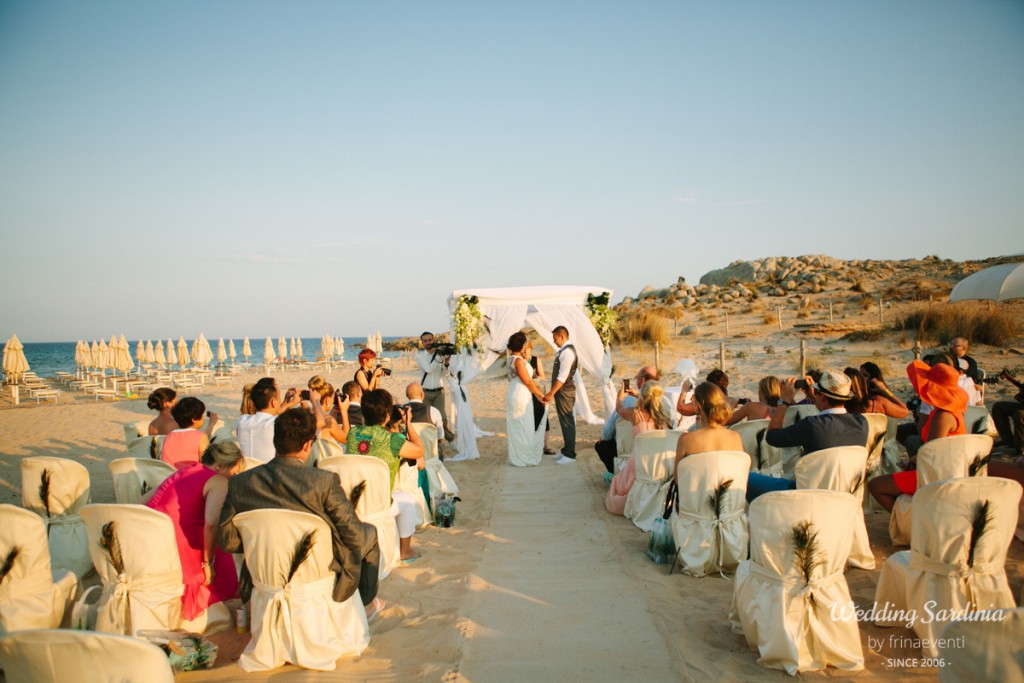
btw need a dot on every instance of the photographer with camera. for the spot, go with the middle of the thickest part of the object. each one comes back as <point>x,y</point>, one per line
<point>368,376</point>
<point>433,361</point>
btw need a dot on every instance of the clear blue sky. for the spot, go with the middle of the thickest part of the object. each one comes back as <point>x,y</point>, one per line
<point>272,168</point>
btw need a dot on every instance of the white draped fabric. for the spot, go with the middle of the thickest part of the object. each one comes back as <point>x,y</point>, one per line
<point>296,621</point>
<point>507,311</point>
<point>797,624</point>
<point>374,506</point>
<point>843,469</point>
<point>147,594</point>
<point>752,433</point>
<point>68,492</point>
<point>936,571</point>
<point>940,459</point>
<point>66,655</point>
<point>655,453</point>
<point>31,595</point>
<point>705,541</point>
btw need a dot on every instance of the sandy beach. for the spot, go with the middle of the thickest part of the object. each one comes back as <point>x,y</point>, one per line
<point>536,580</point>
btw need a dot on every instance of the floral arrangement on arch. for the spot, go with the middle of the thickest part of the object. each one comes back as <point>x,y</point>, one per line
<point>469,324</point>
<point>601,316</point>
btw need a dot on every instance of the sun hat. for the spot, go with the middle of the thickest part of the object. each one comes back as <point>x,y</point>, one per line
<point>937,386</point>
<point>835,385</point>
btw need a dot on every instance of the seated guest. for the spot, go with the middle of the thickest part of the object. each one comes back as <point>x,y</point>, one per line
<point>376,440</point>
<point>647,414</point>
<point>712,435</point>
<point>421,412</point>
<point>367,376</point>
<point>355,396</point>
<point>832,426</point>
<point>1009,418</point>
<point>287,483</point>
<point>719,379</point>
<point>880,400</point>
<point>322,399</point>
<point>256,431</point>
<point>911,435</point>
<point>768,399</point>
<point>937,385</point>
<point>162,400</point>
<point>185,445</point>
<point>958,349</point>
<point>606,448</point>
<point>193,497</point>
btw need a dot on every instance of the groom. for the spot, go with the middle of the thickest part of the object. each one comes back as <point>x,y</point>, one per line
<point>563,390</point>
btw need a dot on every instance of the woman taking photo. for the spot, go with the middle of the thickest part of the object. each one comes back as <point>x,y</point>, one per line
<point>648,414</point>
<point>193,497</point>
<point>367,376</point>
<point>768,398</point>
<point>525,431</point>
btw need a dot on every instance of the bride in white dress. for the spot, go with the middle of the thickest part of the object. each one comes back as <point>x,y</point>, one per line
<point>525,437</point>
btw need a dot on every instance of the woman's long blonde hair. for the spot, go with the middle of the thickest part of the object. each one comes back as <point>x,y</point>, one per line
<point>769,390</point>
<point>247,407</point>
<point>650,402</point>
<point>710,399</point>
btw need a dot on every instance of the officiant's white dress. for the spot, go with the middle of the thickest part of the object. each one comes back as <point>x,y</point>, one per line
<point>525,444</point>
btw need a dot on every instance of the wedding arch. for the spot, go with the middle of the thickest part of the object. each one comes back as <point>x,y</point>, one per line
<point>482,320</point>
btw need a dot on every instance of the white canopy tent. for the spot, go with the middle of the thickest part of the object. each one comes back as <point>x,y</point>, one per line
<point>509,310</point>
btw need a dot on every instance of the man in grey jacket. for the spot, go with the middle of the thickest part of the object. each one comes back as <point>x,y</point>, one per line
<point>286,482</point>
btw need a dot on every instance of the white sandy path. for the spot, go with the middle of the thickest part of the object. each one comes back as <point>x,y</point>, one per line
<point>540,585</point>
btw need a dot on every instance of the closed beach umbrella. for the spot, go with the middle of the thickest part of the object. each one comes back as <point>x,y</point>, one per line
<point>94,355</point>
<point>182,352</point>
<point>246,349</point>
<point>339,347</point>
<point>202,354</point>
<point>158,353</point>
<point>172,355</point>
<point>231,350</point>
<point>282,349</point>
<point>103,356</point>
<point>140,352</point>
<point>124,363</point>
<point>80,354</point>
<point>15,365</point>
<point>150,355</point>
<point>292,349</point>
<point>326,347</point>
<point>222,353</point>
<point>268,352</point>
<point>998,283</point>
<point>298,347</point>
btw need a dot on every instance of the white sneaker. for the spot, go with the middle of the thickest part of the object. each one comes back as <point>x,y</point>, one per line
<point>562,460</point>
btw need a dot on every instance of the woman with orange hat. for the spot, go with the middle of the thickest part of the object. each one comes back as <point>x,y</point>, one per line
<point>937,386</point>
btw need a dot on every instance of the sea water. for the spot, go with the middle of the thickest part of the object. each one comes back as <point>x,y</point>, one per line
<point>47,358</point>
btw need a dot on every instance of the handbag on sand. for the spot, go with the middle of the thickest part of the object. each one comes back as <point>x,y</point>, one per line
<point>661,547</point>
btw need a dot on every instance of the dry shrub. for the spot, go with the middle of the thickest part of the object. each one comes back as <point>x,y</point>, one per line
<point>917,290</point>
<point>943,323</point>
<point>768,318</point>
<point>803,313</point>
<point>642,326</point>
<point>869,335</point>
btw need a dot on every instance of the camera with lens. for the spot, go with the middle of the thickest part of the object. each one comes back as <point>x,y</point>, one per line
<point>384,371</point>
<point>444,349</point>
<point>800,384</point>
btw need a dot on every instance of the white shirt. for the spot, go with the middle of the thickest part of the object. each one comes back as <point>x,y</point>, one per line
<point>256,436</point>
<point>433,369</point>
<point>435,417</point>
<point>566,357</point>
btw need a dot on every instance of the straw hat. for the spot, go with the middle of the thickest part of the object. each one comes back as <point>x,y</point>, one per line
<point>835,385</point>
<point>937,386</point>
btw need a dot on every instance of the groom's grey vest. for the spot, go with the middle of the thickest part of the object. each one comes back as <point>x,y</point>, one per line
<point>569,387</point>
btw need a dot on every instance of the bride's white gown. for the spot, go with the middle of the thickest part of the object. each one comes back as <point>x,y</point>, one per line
<point>525,444</point>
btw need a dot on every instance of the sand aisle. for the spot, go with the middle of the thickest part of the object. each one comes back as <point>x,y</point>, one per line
<point>551,570</point>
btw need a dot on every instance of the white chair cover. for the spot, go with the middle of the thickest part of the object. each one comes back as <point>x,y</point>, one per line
<point>978,421</point>
<point>144,447</point>
<point>655,457</point>
<point>878,427</point>
<point>984,650</point>
<point>133,430</point>
<point>441,480</point>
<point>297,621</point>
<point>706,542</point>
<point>326,448</point>
<point>935,571</point>
<point>797,625</point>
<point>781,462</point>
<point>31,595</point>
<point>375,506</point>
<point>940,459</point>
<point>134,477</point>
<point>408,480</point>
<point>147,595</point>
<point>69,492</point>
<point>81,656</point>
<point>251,463</point>
<point>623,437</point>
<point>841,469</point>
<point>752,433</point>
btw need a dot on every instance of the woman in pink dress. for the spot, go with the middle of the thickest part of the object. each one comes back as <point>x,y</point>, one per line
<point>184,446</point>
<point>193,497</point>
<point>647,415</point>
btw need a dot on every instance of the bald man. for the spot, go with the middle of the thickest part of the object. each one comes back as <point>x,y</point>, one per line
<point>421,412</point>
